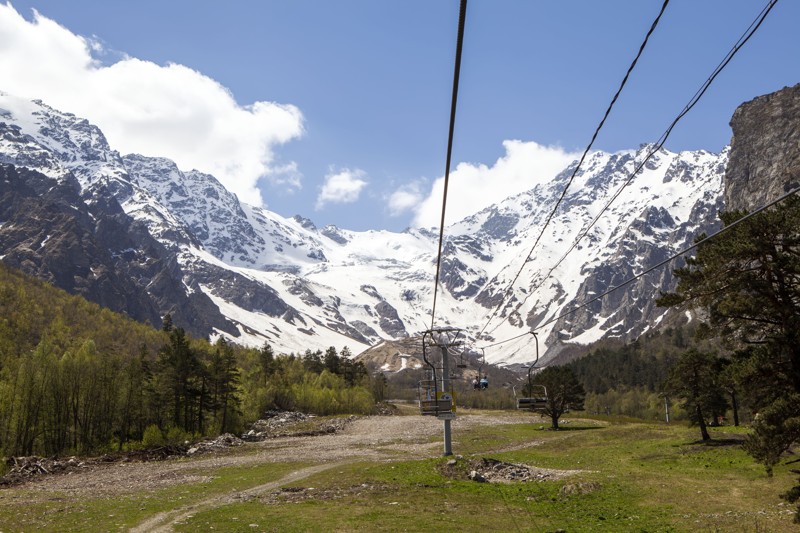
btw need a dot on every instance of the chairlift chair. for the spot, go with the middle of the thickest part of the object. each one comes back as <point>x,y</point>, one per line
<point>461,357</point>
<point>537,394</point>
<point>433,400</point>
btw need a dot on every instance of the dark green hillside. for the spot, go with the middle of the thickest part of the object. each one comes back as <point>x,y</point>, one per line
<point>76,378</point>
<point>31,310</point>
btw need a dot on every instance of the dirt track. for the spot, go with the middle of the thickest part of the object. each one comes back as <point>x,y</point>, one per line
<point>375,438</point>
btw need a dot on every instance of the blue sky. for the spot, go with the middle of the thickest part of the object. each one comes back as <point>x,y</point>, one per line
<point>338,110</point>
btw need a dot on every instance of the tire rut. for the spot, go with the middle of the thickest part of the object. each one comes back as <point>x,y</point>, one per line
<point>163,522</point>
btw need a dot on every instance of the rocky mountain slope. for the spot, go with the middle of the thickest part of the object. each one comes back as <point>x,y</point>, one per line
<point>184,244</point>
<point>765,150</point>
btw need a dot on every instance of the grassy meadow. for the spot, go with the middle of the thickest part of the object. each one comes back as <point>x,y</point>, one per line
<point>628,476</point>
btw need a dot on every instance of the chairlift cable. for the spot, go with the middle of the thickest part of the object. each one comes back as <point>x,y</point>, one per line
<point>462,13</point>
<point>671,258</point>
<point>580,162</point>
<point>652,268</point>
<point>748,33</point>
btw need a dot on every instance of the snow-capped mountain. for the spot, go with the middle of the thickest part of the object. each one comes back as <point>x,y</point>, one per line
<point>265,278</point>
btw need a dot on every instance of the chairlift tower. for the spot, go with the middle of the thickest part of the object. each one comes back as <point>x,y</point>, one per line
<point>436,397</point>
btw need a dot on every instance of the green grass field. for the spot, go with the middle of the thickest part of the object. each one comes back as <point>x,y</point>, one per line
<point>631,476</point>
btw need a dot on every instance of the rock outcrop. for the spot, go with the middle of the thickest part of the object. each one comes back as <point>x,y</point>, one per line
<point>765,150</point>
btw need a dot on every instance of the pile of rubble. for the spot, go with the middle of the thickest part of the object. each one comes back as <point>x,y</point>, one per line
<point>24,468</point>
<point>486,470</point>
<point>272,423</point>
<point>226,440</point>
<point>494,471</point>
<point>293,424</point>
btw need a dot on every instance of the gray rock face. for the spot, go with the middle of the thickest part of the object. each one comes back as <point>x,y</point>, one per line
<point>765,150</point>
<point>390,320</point>
<point>240,290</point>
<point>95,250</point>
<point>45,236</point>
<point>334,234</point>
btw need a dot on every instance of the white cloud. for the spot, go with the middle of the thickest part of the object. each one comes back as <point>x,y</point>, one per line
<point>286,176</point>
<point>342,187</point>
<point>474,187</point>
<point>171,111</point>
<point>405,199</point>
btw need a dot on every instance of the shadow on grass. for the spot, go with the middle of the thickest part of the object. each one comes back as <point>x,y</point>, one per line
<point>580,428</point>
<point>714,443</point>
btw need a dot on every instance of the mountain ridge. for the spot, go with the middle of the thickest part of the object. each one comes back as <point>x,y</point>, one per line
<point>289,283</point>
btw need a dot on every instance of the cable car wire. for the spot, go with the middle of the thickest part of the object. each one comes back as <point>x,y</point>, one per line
<point>650,269</point>
<point>462,13</point>
<point>671,258</point>
<point>580,162</point>
<point>748,33</point>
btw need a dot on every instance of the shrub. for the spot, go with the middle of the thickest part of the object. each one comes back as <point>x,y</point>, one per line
<point>152,437</point>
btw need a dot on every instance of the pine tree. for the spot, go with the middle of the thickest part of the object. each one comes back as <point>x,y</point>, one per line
<point>695,379</point>
<point>564,391</point>
<point>266,358</point>
<point>747,281</point>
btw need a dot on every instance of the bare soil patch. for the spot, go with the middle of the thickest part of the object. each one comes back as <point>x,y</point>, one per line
<point>281,437</point>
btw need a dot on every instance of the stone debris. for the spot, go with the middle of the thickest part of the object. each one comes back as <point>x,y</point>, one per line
<point>226,440</point>
<point>290,424</point>
<point>495,471</point>
<point>486,470</point>
<point>267,427</point>
<point>24,468</point>
<point>476,476</point>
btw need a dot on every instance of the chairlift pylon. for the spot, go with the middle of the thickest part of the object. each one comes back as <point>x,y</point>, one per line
<point>433,399</point>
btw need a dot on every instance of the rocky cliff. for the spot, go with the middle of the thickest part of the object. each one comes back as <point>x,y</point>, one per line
<point>765,150</point>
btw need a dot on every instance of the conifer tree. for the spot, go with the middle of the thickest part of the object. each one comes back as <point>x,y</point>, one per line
<point>747,280</point>
<point>564,391</point>
<point>695,379</point>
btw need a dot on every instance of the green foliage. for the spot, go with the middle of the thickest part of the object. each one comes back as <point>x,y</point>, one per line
<point>153,437</point>
<point>564,391</point>
<point>75,378</point>
<point>775,429</point>
<point>335,385</point>
<point>747,281</point>
<point>695,379</point>
<point>177,436</point>
<point>642,364</point>
<point>637,402</point>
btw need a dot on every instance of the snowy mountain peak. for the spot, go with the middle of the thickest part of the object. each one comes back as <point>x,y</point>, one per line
<point>286,282</point>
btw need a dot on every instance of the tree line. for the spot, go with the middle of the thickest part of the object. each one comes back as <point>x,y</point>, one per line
<point>76,378</point>
<point>746,282</point>
<point>627,380</point>
<point>742,357</point>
